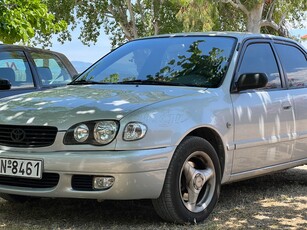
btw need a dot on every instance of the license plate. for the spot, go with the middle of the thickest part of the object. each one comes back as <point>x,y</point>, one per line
<point>21,167</point>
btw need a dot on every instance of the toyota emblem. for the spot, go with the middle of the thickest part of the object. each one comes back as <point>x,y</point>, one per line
<point>18,135</point>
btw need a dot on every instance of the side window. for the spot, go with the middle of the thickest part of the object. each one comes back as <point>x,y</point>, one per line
<point>50,69</point>
<point>15,68</point>
<point>259,58</point>
<point>294,63</point>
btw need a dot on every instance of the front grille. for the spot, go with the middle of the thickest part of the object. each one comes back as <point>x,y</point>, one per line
<point>27,136</point>
<point>49,180</point>
<point>82,182</point>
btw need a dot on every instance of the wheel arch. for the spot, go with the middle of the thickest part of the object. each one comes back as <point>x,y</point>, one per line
<point>214,139</point>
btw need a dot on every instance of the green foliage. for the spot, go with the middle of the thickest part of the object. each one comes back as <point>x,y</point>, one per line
<point>197,15</point>
<point>208,15</point>
<point>229,19</point>
<point>21,20</point>
<point>121,23</point>
<point>113,78</point>
<point>223,16</point>
<point>250,4</point>
<point>293,11</point>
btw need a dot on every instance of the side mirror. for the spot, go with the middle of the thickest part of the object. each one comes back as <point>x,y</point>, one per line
<point>5,84</point>
<point>251,81</point>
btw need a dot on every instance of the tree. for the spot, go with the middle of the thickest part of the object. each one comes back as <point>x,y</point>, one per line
<point>252,15</point>
<point>21,20</point>
<point>197,15</point>
<point>122,20</point>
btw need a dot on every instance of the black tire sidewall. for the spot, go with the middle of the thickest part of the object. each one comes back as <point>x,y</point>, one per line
<point>182,153</point>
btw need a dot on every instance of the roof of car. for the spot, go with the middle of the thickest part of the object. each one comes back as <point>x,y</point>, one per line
<point>19,47</point>
<point>239,35</point>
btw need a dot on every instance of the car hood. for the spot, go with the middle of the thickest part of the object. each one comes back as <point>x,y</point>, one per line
<point>65,106</point>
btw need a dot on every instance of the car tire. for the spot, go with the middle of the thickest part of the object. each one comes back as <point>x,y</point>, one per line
<point>17,198</point>
<point>192,184</point>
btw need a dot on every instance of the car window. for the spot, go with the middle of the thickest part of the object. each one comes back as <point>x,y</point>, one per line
<point>50,69</point>
<point>15,68</point>
<point>259,58</point>
<point>125,68</point>
<point>294,63</point>
<point>192,61</point>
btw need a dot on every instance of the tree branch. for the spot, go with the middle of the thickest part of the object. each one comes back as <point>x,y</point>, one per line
<point>281,27</point>
<point>237,4</point>
<point>269,23</point>
<point>138,2</point>
<point>108,15</point>
<point>271,10</point>
<point>122,24</point>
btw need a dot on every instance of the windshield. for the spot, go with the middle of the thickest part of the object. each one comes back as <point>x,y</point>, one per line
<point>190,61</point>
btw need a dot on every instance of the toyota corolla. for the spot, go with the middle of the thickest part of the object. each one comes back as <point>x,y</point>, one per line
<point>167,118</point>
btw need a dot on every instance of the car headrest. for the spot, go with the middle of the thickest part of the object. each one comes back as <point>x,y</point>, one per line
<point>8,73</point>
<point>44,73</point>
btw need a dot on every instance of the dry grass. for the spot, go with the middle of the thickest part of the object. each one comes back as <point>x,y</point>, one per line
<point>277,201</point>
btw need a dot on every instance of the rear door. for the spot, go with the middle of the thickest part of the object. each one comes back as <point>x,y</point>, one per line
<point>294,62</point>
<point>264,118</point>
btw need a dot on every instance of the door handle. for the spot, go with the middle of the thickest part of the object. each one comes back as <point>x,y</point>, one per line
<point>286,106</point>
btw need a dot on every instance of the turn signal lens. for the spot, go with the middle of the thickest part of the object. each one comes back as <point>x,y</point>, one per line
<point>134,131</point>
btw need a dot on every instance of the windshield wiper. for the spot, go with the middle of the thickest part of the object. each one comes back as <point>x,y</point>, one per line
<point>151,82</point>
<point>85,82</point>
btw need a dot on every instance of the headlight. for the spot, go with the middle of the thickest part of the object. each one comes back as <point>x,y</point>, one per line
<point>81,133</point>
<point>92,132</point>
<point>105,131</point>
<point>134,131</point>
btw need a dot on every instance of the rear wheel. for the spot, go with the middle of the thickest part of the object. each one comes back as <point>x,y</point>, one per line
<point>192,184</point>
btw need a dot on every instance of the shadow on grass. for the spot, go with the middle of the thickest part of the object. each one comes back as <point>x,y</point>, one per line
<point>274,201</point>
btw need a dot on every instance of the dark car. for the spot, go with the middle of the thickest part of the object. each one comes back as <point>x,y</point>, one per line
<point>26,69</point>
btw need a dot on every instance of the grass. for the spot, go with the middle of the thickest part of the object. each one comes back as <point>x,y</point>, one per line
<point>276,201</point>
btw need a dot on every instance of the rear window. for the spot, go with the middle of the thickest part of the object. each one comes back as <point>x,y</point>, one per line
<point>295,65</point>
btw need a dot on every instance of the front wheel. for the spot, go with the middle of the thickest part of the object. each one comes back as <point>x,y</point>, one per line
<point>192,184</point>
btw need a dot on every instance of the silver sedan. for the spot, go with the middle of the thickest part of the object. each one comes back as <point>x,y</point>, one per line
<point>166,118</point>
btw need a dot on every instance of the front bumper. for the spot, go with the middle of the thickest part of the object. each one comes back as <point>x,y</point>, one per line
<point>139,174</point>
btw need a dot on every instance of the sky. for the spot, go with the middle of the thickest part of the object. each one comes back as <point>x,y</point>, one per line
<point>76,51</point>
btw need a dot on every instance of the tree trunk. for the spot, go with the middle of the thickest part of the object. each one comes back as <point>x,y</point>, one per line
<point>155,8</point>
<point>254,18</point>
<point>132,23</point>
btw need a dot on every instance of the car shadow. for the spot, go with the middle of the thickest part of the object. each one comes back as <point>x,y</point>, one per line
<point>274,201</point>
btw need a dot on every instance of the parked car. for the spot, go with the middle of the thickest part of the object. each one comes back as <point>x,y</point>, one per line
<point>26,69</point>
<point>168,118</point>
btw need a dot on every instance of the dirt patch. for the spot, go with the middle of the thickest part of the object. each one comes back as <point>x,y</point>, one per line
<point>277,201</point>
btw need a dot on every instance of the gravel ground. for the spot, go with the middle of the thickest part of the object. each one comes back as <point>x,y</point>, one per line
<point>277,201</point>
